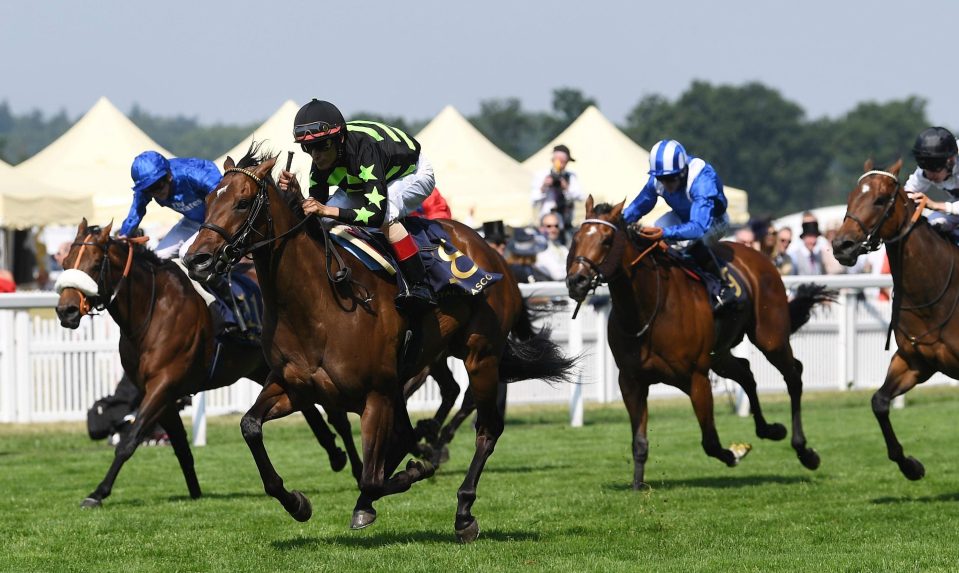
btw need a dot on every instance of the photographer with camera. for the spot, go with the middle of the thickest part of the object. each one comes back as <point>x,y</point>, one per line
<point>556,190</point>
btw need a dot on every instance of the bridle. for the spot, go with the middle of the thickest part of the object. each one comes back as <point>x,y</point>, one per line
<point>608,269</point>
<point>91,299</point>
<point>872,239</point>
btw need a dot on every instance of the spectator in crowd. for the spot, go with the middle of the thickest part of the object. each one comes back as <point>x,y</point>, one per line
<point>434,207</point>
<point>745,236</point>
<point>807,255</point>
<point>935,152</point>
<point>557,189</point>
<point>521,255</point>
<point>495,234</point>
<point>552,260</point>
<point>6,281</point>
<point>775,247</point>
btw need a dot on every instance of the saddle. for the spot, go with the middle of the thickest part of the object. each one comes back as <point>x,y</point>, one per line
<point>728,274</point>
<point>449,271</point>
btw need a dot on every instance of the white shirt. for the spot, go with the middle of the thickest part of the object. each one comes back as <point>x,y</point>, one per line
<point>917,182</point>
<point>552,261</point>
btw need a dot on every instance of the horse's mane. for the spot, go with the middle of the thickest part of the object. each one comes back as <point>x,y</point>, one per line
<point>602,209</point>
<point>255,156</point>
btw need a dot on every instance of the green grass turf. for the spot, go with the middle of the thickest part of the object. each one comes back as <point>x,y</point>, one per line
<point>552,498</point>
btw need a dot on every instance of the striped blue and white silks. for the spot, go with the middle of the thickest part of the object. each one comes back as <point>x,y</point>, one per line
<point>667,157</point>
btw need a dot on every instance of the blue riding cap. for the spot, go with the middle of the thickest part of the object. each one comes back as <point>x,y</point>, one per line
<point>667,157</point>
<point>147,169</point>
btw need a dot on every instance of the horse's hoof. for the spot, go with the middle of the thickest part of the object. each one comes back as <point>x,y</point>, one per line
<point>363,518</point>
<point>469,533</point>
<point>775,432</point>
<point>425,468</point>
<point>739,451</point>
<point>304,510</point>
<point>91,502</point>
<point>809,459</point>
<point>338,460</point>
<point>912,468</point>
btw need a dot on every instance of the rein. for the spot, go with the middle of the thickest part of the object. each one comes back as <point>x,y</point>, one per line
<point>233,250</point>
<point>602,272</point>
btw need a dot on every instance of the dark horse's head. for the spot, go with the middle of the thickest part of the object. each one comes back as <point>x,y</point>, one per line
<point>237,212</point>
<point>876,210</point>
<point>93,271</point>
<point>597,249</point>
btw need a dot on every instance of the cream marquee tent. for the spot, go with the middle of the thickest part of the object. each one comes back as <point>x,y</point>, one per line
<point>25,202</point>
<point>474,176</point>
<point>276,135</point>
<point>611,166</point>
<point>93,159</point>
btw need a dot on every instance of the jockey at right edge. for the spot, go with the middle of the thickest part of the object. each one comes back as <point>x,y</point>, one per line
<point>694,191</point>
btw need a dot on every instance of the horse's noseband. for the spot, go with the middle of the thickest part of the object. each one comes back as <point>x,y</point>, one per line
<point>234,246</point>
<point>871,237</point>
<point>605,269</point>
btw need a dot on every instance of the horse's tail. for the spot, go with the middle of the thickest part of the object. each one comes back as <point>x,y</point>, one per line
<point>530,354</point>
<point>807,296</point>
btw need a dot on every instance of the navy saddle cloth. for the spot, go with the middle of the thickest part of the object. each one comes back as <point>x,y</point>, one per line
<point>446,266</point>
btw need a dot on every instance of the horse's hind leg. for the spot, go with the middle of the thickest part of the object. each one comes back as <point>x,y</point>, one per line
<point>325,437</point>
<point>151,408</point>
<point>737,369</point>
<point>635,393</point>
<point>272,403</point>
<point>791,369</point>
<point>341,423</point>
<point>701,395</point>
<point>173,425</point>
<point>387,439</point>
<point>441,452</point>
<point>900,378</point>
<point>429,428</point>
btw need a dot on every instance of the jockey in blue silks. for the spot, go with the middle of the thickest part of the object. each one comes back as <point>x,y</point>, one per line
<point>695,192</point>
<point>180,184</point>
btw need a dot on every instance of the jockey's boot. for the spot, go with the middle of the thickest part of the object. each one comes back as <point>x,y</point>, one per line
<point>707,261</point>
<point>225,319</point>
<point>418,293</point>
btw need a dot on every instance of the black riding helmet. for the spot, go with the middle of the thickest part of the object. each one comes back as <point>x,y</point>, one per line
<point>316,121</point>
<point>933,147</point>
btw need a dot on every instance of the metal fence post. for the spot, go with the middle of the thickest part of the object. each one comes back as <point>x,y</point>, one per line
<point>847,339</point>
<point>8,386</point>
<point>24,375</point>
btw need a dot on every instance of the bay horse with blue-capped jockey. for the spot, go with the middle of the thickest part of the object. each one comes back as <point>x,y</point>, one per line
<point>167,344</point>
<point>661,328</point>
<point>340,343</point>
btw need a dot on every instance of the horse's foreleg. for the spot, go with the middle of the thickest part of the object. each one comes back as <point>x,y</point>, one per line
<point>449,390</point>
<point>701,395</point>
<point>791,369</point>
<point>272,403</point>
<point>635,393</point>
<point>737,369</point>
<point>900,378</point>
<point>173,425</point>
<point>325,437</point>
<point>151,408</point>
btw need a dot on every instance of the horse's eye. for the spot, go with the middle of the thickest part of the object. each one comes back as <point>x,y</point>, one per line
<point>881,200</point>
<point>242,205</point>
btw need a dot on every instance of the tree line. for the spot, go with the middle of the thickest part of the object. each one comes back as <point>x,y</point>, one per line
<point>757,139</point>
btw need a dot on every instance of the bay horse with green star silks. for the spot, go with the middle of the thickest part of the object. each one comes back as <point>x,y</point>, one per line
<point>661,328</point>
<point>167,344</point>
<point>925,290</point>
<point>340,343</point>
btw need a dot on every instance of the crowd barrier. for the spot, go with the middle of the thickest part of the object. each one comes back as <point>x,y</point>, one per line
<point>53,374</point>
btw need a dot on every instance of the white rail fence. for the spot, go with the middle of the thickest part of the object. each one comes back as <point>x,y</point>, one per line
<point>53,374</point>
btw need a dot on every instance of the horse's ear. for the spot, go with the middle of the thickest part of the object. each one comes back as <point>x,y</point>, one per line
<point>82,228</point>
<point>895,167</point>
<point>265,167</point>
<point>589,205</point>
<point>228,164</point>
<point>867,166</point>
<point>617,210</point>
<point>105,233</point>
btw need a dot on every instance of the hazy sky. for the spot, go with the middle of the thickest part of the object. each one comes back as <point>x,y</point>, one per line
<point>238,61</point>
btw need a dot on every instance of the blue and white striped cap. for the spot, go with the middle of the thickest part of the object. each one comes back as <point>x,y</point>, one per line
<point>666,158</point>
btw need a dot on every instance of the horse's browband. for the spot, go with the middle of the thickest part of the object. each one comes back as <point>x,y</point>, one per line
<point>877,172</point>
<point>252,175</point>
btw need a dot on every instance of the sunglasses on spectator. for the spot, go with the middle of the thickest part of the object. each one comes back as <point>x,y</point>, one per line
<point>551,226</point>
<point>785,241</point>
